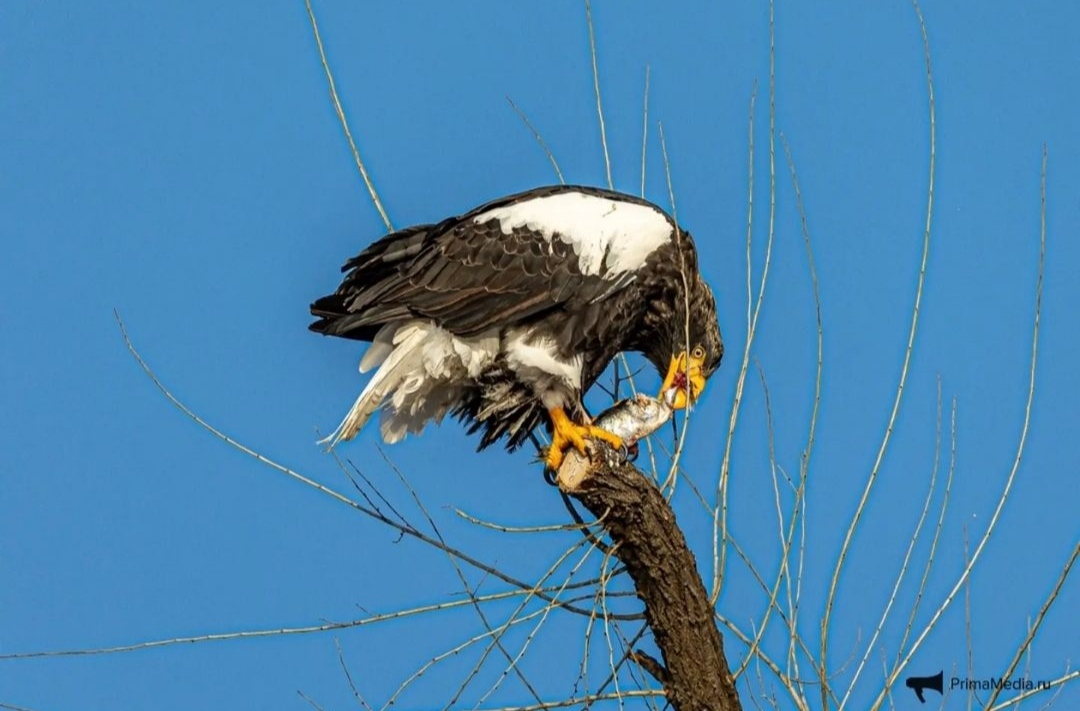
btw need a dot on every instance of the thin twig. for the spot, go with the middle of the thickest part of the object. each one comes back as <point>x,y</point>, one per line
<point>1024,429</point>
<point>628,654</point>
<point>784,538</point>
<point>596,90</point>
<point>789,684</point>
<point>253,634</point>
<point>804,462</point>
<point>311,702</point>
<point>602,597</point>
<point>671,479</point>
<point>344,121</point>
<point>934,541</point>
<point>348,677</point>
<point>583,701</point>
<point>539,139</point>
<point>909,349</point>
<point>753,312</point>
<point>1039,618</point>
<point>503,528</point>
<point>901,574</point>
<point>644,129</point>
<point>719,508</point>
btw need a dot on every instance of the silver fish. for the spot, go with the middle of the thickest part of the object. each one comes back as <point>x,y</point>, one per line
<point>636,417</point>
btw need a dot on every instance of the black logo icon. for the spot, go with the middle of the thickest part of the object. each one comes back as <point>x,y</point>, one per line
<point>919,683</point>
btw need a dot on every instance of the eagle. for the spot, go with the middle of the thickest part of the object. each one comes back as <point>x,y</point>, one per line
<point>504,316</point>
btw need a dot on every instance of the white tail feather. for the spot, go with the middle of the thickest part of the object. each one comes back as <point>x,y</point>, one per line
<point>399,365</point>
<point>380,348</point>
<point>420,378</point>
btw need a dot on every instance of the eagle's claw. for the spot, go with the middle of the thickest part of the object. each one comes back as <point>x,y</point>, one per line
<point>566,433</point>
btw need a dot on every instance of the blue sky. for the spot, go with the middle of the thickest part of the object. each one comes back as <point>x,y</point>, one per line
<point>182,164</point>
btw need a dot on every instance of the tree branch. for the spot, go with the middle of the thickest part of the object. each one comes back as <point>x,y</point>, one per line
<point>648,541</point>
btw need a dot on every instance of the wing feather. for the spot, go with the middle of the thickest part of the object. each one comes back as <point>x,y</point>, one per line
<point>466,275</point>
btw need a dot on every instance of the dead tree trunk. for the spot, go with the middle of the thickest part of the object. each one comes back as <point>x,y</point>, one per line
<point>642,527</point>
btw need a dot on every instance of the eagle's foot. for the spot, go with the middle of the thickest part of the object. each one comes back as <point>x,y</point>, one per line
<point>567,433</point>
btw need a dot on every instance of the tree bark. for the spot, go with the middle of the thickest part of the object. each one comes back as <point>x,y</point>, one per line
<point>648,541</point>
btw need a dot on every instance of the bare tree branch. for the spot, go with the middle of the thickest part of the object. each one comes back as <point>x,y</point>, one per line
<point>648,541</point>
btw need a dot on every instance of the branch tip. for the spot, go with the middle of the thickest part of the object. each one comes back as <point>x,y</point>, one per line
<point>651,665</point>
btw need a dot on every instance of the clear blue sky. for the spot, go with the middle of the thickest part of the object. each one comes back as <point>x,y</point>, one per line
<point>181,163</point>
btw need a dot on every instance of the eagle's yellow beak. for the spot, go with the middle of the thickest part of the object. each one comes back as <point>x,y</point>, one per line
<point>684,373</point>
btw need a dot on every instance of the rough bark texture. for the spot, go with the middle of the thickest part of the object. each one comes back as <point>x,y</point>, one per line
<point>640,521</point>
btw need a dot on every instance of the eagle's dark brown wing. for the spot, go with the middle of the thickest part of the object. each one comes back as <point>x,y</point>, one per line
<point>468,274</point>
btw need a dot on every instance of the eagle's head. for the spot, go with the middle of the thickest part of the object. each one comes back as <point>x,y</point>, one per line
<point>691,345</point>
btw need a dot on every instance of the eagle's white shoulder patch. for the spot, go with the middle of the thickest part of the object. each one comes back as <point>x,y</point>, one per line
<point>608,236</point>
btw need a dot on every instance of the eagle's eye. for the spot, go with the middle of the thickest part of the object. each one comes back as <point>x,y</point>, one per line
<point>698,353</point>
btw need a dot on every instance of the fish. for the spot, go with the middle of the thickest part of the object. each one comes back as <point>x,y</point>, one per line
<point>631,420</point>
<point>636,417</point>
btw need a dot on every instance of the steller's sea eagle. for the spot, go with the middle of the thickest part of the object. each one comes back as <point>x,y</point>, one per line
<point>505,315</point>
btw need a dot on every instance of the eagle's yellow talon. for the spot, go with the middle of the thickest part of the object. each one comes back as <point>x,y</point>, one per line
<point>611,438</point>
<point>554,459</point>
<point>567,433</point>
